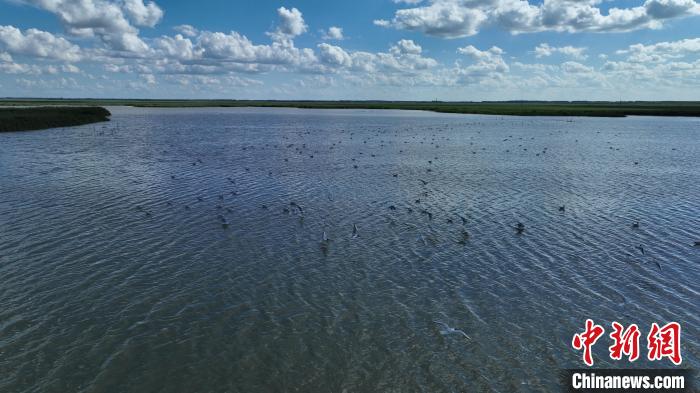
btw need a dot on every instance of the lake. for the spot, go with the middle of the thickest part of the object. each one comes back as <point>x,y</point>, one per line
<point>182,250</point>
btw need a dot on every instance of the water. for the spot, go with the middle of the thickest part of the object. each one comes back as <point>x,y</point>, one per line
<point>116,278</point>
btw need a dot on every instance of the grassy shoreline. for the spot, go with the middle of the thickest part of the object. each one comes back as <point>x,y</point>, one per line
<point>43,117</point>
<point>512,108</point>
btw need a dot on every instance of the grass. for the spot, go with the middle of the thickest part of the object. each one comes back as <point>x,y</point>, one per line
<point>38,118</point>
<point>513,108</point>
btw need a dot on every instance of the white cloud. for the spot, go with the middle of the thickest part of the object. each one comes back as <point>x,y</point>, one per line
<point>545,50</point>
<point>487,63</point>
<point>661,51</point>
<point>291,23</point>
<point>177,47</point>
<point>442,18</point>
<point>406,46</point>
<point>334,33</point>
<point>187,30</point>
<point>461,18</point>
<point>113,22</point>
<point>37,43</point>
<point>143,14</point>
<point>334,55</point>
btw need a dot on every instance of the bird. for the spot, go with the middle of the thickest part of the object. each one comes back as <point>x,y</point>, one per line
<point>562,208</point>
<point>635,225</point>
<point>520,228</point>
<point>392,207</point>
<point>354,231</point>
<point>464,220</point>
<point>465,237</point>
<point>450,330</point>
<point>640,248</point>
<point>697,244</point>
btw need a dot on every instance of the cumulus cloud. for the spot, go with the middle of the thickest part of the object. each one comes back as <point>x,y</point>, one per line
<point>143,14</point>
<point>406,47</point>
<point>545,50</point>
<point>442,18</point>
<point>187,30</point>
<point>486,63</point>
<point>461,18</point>
<point>291,24</point>
<point>334,55</point>
<point>334,33</point>
<point>661,51</point>
<point>113,22</point>
<point>37,43</point>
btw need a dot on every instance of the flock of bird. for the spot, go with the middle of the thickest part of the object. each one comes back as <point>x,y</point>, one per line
<point>303,150</point>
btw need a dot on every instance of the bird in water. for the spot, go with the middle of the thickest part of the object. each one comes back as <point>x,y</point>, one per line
<point>635,225</point>
<point>562,208</point>
<point>465,237</point>
<point>298,207</point>
<point>520,228</point>
<point>324,243</point>
<point>640,248</point>
<point>450,330</point>
<point>354,231</point>
<point>392,207</point>
<point>697,244</point>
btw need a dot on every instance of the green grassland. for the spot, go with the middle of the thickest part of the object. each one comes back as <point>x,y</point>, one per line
<point>512,108</point>
<point>37,118</point>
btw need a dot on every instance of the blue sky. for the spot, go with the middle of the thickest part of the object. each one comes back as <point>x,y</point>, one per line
<point>364,49</point>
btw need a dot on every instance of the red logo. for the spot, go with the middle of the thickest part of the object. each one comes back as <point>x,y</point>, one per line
<point>626,342</point>
<point>662,342</point>
<point>587,339</point>
<point>665,342</point>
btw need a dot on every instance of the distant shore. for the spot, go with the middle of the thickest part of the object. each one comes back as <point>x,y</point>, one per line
<point>509,108</point>
<point>43,117</point>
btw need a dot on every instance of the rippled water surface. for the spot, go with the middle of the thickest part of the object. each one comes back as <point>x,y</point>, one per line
<point>117,273</point>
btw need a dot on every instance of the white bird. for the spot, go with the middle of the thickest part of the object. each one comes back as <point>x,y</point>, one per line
<point>450,330</point>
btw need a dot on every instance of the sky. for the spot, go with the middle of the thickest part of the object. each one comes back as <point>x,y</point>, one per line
<point>448,50</point>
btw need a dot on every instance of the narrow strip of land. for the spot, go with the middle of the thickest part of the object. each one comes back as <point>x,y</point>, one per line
<point>42,117</point>
<point>511,108</point>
